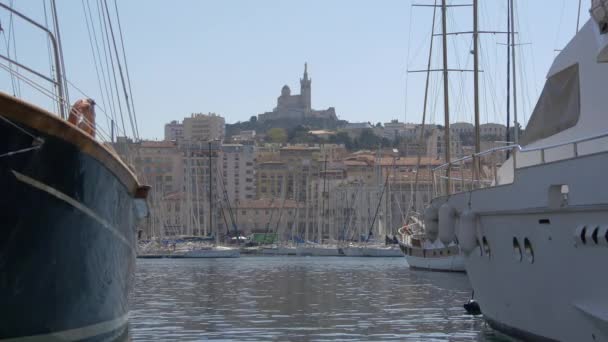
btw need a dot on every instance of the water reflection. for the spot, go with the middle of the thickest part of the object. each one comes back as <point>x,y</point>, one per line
<point>299,299</point>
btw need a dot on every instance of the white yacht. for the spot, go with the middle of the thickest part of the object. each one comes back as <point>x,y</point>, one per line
<point>535,239</point>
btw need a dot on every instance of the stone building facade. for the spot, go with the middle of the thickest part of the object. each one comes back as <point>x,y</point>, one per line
<point>204,127</point>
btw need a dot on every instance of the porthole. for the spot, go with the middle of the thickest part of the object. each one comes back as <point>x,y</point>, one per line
<point>528,251</point>
<point>594,235</point>
<point>583,233</point>
<point>516,250</point>
<point>486,247</point>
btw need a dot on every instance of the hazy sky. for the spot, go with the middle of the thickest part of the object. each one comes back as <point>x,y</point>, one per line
<point>232,57</point>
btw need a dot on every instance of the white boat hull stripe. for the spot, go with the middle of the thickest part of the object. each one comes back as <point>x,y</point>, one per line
<point>71,201</point>
<point>75,334</point>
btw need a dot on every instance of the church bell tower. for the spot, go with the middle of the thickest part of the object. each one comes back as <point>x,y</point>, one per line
<point>305,89</point>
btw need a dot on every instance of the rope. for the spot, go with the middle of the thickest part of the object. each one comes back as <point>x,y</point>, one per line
<point>109,96</point>
<point>19,128</point>
<point>124,57</point>
<point>23,150</point>
<point>86,18</point>
<point>105,36</point>
<point>122,78</point>
<point>424,112</point>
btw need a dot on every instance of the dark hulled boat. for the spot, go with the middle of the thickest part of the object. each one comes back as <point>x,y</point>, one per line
<point>69,208</point>
<point>68,212</point>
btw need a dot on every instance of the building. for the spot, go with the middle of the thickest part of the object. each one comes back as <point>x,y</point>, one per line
<point>436,145</point>
<point>462,128</point>
<point>244,136</point>
<point>158,164</point>
<point>174,131</point>
<point>266,216</point>
<point>298,107</point>
<point>238,171</point>
<point>204,127</point>
<point>203,190</point>
<point>395,129</point>
<point>493,129</point>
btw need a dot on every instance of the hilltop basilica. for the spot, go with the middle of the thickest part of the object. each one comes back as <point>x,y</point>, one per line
<point>297,107</point>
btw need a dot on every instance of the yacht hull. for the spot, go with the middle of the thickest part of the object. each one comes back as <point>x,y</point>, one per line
<point>539,271</point>
<point>67,248</point>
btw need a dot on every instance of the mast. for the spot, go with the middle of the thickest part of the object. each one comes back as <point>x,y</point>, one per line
<point>446,102</point>
<point>476,76</point>
<point>210,199</point>
<point>515,125</point>
<point>323,216</point>
<point>414,189</point>
<point>508,71</point>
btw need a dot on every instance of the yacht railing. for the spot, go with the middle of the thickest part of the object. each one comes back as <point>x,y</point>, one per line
<point>57,82</point>
<point>480,170</point>
<point>105,134</point>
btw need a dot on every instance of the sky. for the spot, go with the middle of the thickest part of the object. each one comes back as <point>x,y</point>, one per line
<point>231,57</point>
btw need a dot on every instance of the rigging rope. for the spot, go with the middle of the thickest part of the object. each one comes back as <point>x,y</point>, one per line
<point>122,78</point>
<point>108,94</point>
<point>105,36</point>
<point>126,66</point>
<point>103,98</point>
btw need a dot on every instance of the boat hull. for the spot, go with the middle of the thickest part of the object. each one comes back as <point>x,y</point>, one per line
<point>539,275</point>
<point>372,251</point>
<point>67,248</point>
<point>446,259</point>
<point>209,253</point>
<point>318,251</point>
<point>272,251</point>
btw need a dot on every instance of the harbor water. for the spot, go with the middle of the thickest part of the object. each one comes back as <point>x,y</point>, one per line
<point>300,299</point>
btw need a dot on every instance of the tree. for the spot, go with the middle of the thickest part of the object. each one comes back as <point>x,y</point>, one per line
<point>253,119</point>
<point>368,140</point>
<point>276,135</point>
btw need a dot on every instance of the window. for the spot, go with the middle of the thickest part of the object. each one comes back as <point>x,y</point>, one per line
<point>558,107</point>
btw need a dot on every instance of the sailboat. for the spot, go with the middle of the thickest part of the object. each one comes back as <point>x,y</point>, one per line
<point>419,238</point>
<point>68,215</point>
<point>205,250</point>
<point>320,248</point>
<point>372,247</point>
<point>535,240</point>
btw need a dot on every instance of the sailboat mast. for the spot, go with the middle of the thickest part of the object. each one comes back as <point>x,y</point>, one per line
<point>446,102</point>
<point>508,72</point>
<point>323,194</point>
<point>476,76</point>
<point>210,199</point>
<point>515,125</point>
